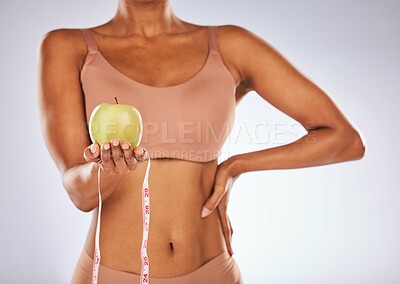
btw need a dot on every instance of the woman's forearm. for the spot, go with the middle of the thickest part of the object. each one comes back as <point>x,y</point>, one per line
<point>319,147</point>
<point>81,185</point>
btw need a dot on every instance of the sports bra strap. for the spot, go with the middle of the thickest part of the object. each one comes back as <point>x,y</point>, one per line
<point>90,42</point>
<point>213,38</point>
<point>212,32</point>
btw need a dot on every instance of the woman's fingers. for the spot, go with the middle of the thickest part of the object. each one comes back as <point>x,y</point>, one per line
<point>230,225</point>
<point>107,162</point>
<point>139,153</point>
<point>92,153</point>
<point>226,226</point>
<point>118,157</point>
<point>222,185</point>
<point>115,158</point>
<point>128,153</point>
<point>213,201</point>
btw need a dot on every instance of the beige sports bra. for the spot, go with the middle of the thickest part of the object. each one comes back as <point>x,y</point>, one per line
<point>189,121</point>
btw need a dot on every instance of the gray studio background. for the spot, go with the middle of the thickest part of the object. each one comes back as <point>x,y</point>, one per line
<point>332,224</point>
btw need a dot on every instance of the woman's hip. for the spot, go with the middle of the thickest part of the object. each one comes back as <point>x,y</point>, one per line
<point>222,269</point>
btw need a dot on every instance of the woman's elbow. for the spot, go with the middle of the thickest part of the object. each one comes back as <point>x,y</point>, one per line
<point>356,144</point>
<point>82,205</point>
<point>81,202</point>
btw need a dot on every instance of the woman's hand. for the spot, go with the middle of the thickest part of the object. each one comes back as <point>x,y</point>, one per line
<point>115,159</point>
<point>224,179</point>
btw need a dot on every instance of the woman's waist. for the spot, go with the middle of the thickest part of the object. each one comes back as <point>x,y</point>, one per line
<point>175,187</point>
<point>175,218</point>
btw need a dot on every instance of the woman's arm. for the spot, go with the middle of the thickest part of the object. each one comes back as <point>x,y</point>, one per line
<point>331,138</point>
<point>62,115</point>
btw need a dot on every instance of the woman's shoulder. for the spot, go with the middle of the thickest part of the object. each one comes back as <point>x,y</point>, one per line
<point>235,39</point>
<point>63,36</point>
<point>234,43</point>
<point>236,33</point>
<point>238,43</point>
<point>64,42</point>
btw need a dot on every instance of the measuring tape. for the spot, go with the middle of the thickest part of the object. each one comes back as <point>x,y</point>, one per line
<point>144,275</point>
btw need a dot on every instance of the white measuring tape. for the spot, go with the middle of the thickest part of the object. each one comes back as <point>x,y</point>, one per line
<point>144,275</point>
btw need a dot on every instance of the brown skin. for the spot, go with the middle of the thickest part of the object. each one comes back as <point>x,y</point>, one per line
<point>179,189</point>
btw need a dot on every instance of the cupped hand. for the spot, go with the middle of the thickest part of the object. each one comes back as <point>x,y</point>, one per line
<point>115,158</point>
<point>224,179</point>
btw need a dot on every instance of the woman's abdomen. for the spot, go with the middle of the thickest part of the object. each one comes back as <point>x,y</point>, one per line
<point>179,239</point>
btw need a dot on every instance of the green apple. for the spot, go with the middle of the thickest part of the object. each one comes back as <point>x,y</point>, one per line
<point>108,121</point>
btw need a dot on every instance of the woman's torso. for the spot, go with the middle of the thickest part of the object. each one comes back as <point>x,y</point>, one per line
<point>179,239</point>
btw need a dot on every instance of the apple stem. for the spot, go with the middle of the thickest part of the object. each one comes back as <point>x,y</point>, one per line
<point>116,99</point>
